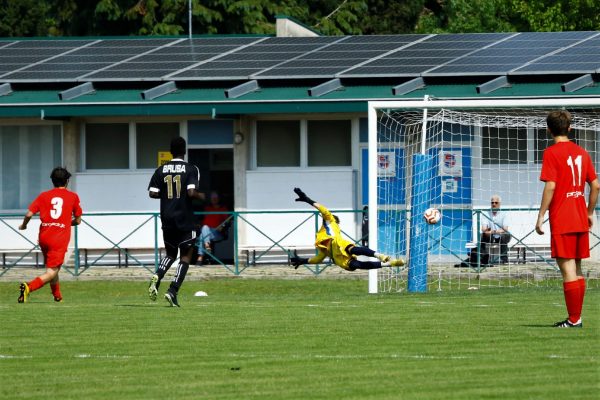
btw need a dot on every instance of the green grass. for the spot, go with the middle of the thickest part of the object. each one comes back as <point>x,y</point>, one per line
<point>295,339</point>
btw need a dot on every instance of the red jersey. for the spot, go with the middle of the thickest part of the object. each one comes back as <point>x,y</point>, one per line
<point>57,207</point>
<point>214,220</point>
<point>570,167</point>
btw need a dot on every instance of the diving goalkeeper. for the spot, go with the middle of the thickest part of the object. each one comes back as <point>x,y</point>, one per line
<point>343,253</point>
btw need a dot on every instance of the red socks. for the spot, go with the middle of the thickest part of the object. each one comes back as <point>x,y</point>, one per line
<point>35,284</point>
<point>581,281</point>
<point>573,299</point>
<point>55,287</point>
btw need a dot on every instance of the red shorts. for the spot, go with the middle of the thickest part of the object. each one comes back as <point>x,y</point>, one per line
<point>54,257</point>
<point>570,245</point>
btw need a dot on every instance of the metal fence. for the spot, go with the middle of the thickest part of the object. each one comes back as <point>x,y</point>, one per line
<point>135,240</point>
<point>253,237</point>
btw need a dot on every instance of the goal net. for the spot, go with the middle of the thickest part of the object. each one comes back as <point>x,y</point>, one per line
<point>458,156</point>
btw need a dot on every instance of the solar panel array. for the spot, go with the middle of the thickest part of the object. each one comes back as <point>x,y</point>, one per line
<point>269,58</point>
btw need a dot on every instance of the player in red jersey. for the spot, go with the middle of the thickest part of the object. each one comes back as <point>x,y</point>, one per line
<point>566,168</point>
<point>59,209</point>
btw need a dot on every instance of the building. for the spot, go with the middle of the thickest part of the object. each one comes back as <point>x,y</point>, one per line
<point>261,114</point>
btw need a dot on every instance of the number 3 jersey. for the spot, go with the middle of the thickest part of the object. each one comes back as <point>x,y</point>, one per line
<point>57,207</point>
<point>569,166</point>
<point>172,181</point>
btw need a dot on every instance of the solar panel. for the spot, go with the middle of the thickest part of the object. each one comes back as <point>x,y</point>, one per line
<point>235,58</point>
<point>502,57</point>
<point>21,54</point>
<point>173,57</point>
<point>339,56</point>
<point>423,55</point>
<point>579,58</point>
<point>250,59</point>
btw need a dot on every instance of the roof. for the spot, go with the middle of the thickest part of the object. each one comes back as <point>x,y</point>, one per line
<point>250,74</point>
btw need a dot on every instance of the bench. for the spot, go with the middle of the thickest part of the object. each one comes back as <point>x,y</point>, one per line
<point>518,253</point>
<point>267,255</point>
<point>21,257</point>
<point>120,258</point>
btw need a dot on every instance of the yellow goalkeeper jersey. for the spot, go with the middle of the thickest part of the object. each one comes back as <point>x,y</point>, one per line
<point>329,241</point>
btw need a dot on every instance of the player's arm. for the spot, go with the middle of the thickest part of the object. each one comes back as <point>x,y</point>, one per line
<point>26,220</point>
<point>592,200</point>
<point>193,182</point>
<point>194,194</point>
<point>154,186</point>
<point>327,216</point>
<point>547,195</point>
<point>298,261</point>
<point>318,258</point>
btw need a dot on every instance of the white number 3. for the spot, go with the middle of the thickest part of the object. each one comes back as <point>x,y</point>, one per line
<point>57,204</point>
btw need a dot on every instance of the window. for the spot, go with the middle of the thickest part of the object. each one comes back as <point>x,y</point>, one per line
<point>28,153</point>
<point>152,138</point>
<point>278,143</point>
<point>543,140</point>
<point>503,145</point>
<point>329,143</point>
<point>106,146</point>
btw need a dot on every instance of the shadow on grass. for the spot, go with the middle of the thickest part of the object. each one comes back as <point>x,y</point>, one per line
<point>137,305</point>
<point>537,326</point>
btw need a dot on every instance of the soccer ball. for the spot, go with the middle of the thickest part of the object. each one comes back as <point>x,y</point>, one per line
<point>432,216</point>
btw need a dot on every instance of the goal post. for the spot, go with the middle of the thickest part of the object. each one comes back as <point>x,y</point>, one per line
<point>453,155</point>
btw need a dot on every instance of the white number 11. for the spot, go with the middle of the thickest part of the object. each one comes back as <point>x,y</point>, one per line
<point>578,164</point>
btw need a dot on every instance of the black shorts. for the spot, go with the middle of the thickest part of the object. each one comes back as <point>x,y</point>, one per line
<point>176,239</point>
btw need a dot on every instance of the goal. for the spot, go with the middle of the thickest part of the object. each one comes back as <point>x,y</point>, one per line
<point>454,155</point>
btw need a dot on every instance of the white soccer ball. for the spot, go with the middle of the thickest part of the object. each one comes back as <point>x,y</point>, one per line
<point>432,216</point>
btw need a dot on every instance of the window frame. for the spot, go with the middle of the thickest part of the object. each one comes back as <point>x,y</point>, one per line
<point>20,123</point>
<point>132,140</point>
<point>354,142</point>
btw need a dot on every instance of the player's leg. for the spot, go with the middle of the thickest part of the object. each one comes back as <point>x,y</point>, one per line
<point>186,248</point>
<point>53,259</point>
<point>55,288</point>
<point>583,251</point>
<point>563,249</point>
<point>171,240</point>
<point>164,265</point>
<point>572,293</point>
<point>365,251</point>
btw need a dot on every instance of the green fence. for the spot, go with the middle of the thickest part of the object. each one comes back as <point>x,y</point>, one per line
<point>109,249</point>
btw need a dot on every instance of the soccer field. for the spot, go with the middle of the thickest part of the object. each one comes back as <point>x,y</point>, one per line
<point>295,339</point>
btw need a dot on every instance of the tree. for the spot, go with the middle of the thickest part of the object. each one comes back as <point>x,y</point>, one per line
<point>23,17</point>
<point>461,16</point>
<point>391,17</point>
<point>558,15</point>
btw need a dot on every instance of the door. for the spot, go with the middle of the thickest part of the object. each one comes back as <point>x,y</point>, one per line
<point>216,174</point>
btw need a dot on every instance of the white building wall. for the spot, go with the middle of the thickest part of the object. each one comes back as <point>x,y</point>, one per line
<point>273,190</point>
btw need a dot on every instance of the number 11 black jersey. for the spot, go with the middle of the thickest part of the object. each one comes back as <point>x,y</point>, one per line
<point>172,181</point>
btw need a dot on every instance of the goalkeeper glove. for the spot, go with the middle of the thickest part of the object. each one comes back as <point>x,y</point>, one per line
<point>298,261</point>
<point>303,197</point>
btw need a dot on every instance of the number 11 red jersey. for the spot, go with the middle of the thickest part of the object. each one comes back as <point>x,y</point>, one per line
<point>570,167</point>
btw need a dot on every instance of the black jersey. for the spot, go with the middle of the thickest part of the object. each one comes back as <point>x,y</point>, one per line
<point>172,181</point>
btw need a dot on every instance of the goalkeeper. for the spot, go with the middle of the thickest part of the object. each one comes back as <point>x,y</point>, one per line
<point>343,253</point>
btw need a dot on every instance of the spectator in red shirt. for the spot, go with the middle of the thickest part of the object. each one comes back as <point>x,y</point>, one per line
<point>213,226</point>
<point>566,168</point>
<point>59,209</point>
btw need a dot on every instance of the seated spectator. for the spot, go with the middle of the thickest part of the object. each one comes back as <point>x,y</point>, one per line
<point>214,227</point>
<point>494,229</point>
